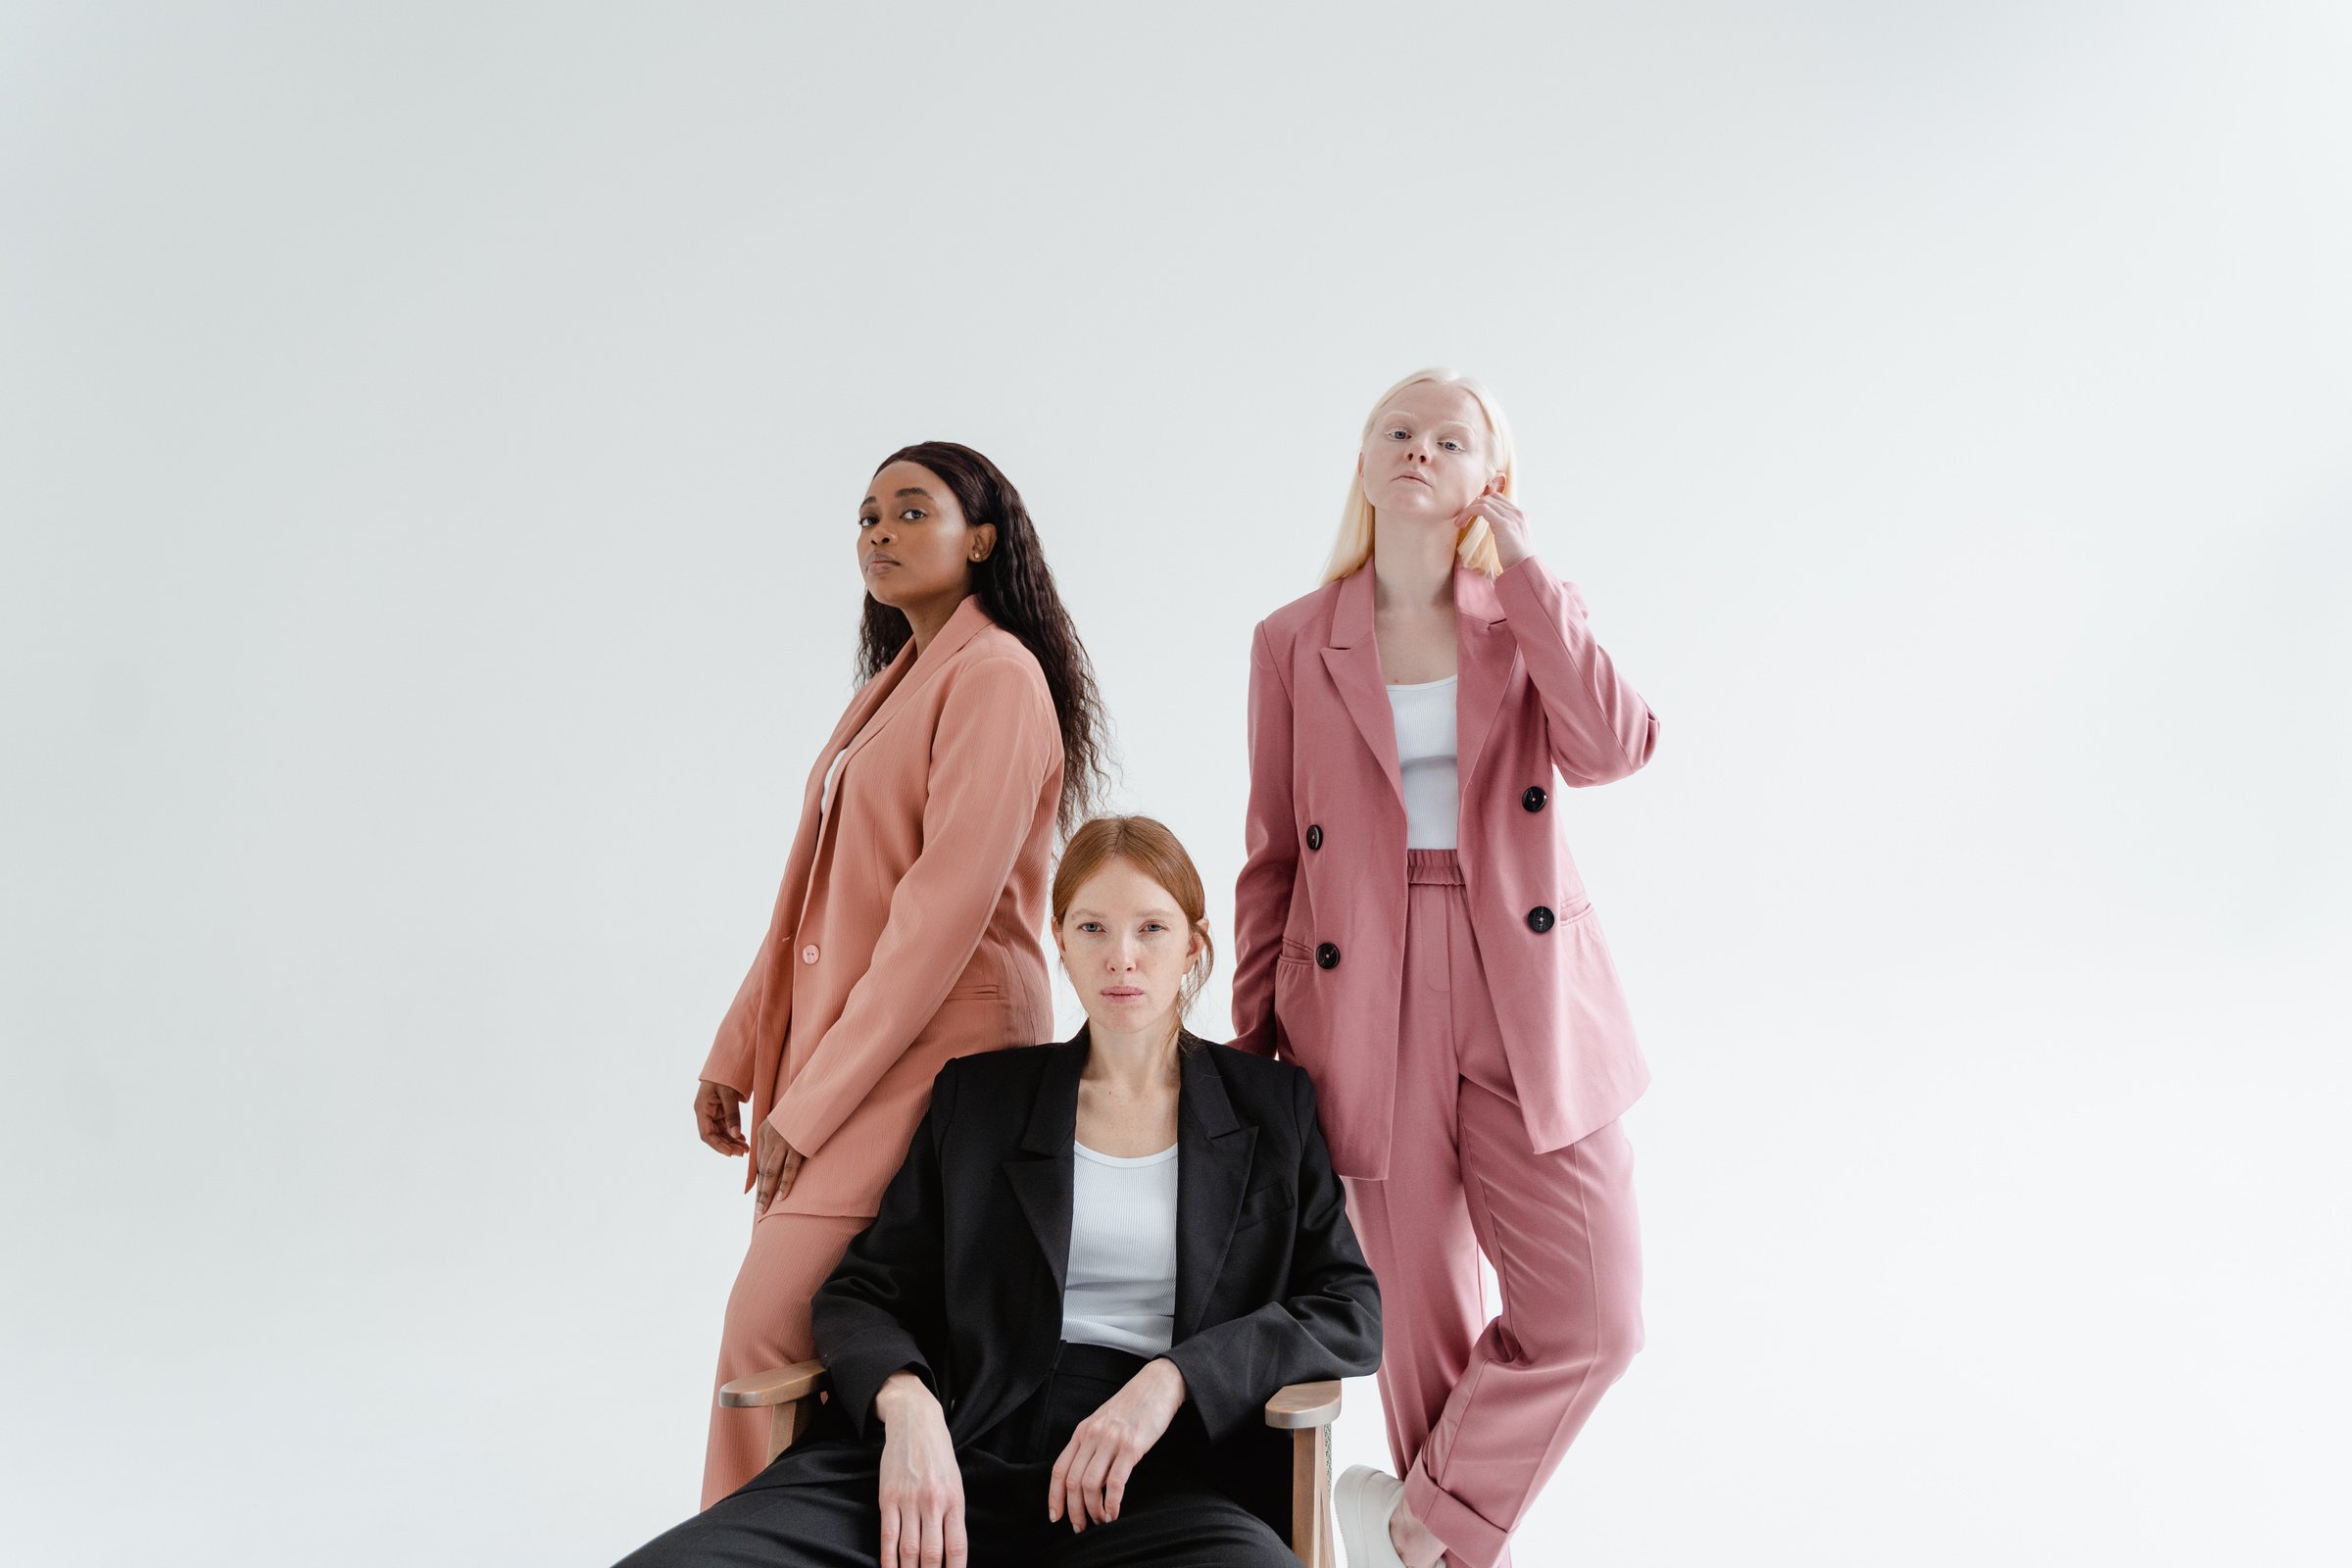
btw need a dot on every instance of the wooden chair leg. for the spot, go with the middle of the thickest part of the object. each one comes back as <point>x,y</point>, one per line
<point>1311,1496</point>
<point>786,1423</point>
<point>1306,1410</point>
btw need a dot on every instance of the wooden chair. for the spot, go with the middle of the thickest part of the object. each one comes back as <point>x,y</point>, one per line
<point>1305,1410</point>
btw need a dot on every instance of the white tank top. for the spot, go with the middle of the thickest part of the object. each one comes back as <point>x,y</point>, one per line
<point>1426,761</point>
<point>824,793</point>
<point>1121,1289</point>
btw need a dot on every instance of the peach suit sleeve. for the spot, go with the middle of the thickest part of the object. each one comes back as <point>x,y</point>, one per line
<point>730,1059</point>
<point>997,743</point>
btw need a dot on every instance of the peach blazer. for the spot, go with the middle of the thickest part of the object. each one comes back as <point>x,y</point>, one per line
<point>910,926</point>
<point>1319,908</point>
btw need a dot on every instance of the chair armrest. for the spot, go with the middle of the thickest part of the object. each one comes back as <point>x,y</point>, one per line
<point>1299,1406</point>
<point>780,1386</point>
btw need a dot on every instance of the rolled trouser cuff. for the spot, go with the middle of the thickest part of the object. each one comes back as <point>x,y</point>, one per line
<point>1472,1540</point>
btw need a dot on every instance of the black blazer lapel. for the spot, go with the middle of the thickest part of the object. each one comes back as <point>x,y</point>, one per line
<point>1213,1153</point>
<point>1041,1174</point>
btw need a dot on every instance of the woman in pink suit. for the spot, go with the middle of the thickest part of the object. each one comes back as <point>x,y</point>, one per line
<point>907,930</point>
<point>1411,929</point>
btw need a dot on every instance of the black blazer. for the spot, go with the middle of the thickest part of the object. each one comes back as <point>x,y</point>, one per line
<point>960,1277</point>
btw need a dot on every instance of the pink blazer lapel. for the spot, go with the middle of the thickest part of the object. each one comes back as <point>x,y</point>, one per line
<point>1354,660</point>
<point>1484,655</point>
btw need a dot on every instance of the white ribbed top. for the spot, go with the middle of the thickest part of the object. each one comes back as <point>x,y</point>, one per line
<point>1426,761</point>
<point>1120,1290</point>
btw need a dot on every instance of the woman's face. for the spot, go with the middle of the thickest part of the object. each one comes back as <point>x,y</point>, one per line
<point>1127,947</point>
<point>1425,458</point>
<point>913,545</point>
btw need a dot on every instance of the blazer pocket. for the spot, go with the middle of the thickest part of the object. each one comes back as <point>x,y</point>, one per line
<point>1262,1204</point>
<point>975,990</point>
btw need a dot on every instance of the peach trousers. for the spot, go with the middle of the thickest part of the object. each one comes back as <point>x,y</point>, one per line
<point>768,1326</point>
<point>1479,1413</point>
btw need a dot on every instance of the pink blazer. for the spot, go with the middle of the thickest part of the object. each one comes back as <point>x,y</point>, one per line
<point>1319,909</point>
<point>908,928</point>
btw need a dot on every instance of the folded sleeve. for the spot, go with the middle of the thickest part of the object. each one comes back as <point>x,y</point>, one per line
<point>730,1059</point>
<point>1599,728</point>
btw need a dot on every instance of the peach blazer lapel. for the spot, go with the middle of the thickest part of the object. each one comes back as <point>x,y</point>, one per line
<point>852,725</point>
<point>914,675</point>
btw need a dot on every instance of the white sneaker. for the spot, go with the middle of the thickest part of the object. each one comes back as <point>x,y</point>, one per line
<point>1363,1497</point>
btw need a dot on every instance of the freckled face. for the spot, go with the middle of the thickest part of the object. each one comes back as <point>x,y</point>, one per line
<point>1126,946</point>
<point>914,544</point>
<point>1427,455</point>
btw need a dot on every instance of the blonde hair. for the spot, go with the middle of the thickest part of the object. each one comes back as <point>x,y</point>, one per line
<point>1476,547</point>
<point>1153,849</point>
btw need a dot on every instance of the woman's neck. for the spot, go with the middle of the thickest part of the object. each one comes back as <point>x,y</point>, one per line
<point>925,620</point>
<point>1133,1062</point>
<point>1412,565</point>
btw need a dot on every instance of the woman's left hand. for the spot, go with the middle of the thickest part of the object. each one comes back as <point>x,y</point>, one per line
<point>1504,520</point>
<point>779,1163</point>
<point>1090,1477</point>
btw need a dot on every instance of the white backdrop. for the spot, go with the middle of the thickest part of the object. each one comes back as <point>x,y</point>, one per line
<point>430,439</point>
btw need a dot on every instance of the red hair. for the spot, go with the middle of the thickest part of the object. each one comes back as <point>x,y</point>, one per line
<point>1150,848</point>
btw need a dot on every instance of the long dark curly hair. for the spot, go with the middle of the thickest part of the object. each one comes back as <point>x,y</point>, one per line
<point>1017,589</point>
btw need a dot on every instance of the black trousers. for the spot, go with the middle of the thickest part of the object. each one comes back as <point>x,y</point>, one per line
<point>819,1505</point>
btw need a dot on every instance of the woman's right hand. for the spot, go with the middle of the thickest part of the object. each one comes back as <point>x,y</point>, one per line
<point>718,1117</point>
<point>922,1488</point>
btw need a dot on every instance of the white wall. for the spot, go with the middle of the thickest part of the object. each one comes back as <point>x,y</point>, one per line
<point>428,443</point>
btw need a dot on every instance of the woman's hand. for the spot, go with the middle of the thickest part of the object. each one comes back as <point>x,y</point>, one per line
<point>1504,520</point>
<point>718,1117</point>
<point>922,1489</point>
<point>779,1163</point>
<point>1091,1476</point>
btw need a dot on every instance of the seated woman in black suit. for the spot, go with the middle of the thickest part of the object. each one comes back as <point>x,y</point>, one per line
<point>1100,1260</point>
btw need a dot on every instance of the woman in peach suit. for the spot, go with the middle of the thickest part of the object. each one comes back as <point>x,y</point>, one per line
<point>907,928</point>
<point>1410,928</point>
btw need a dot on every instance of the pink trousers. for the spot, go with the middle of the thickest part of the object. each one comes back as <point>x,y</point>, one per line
<point>1479,1413</point>
<point>768,1326</point>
